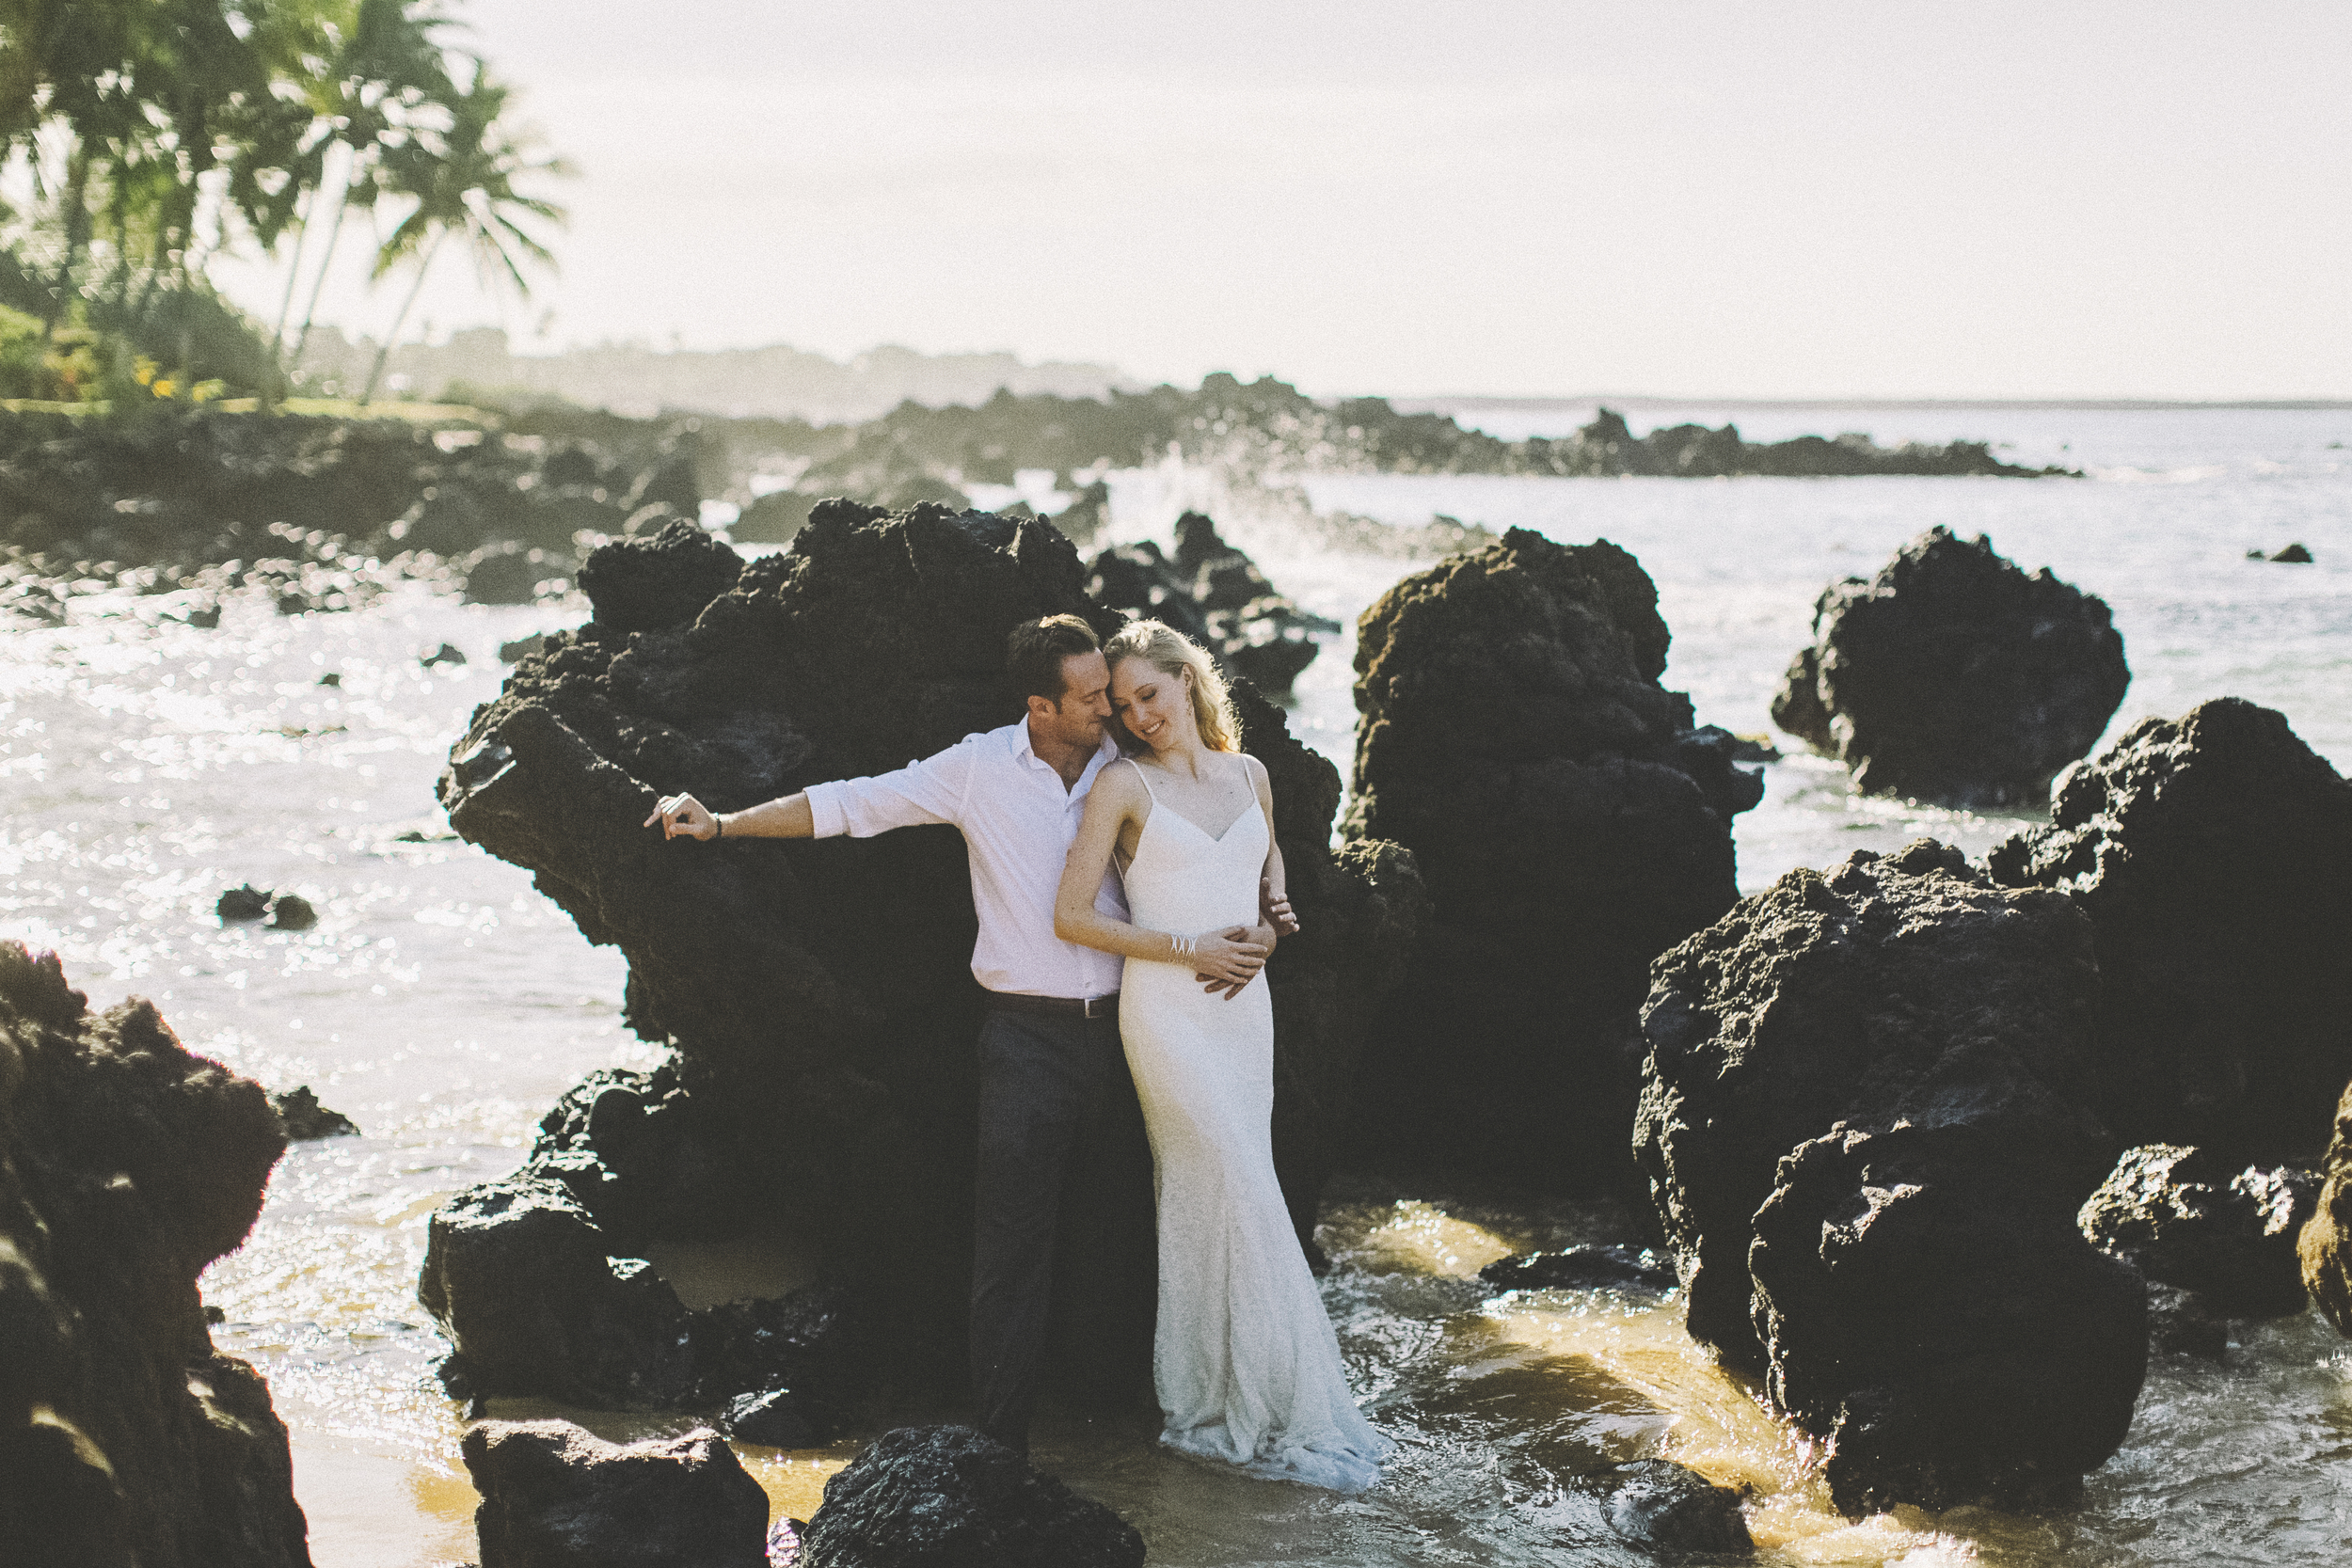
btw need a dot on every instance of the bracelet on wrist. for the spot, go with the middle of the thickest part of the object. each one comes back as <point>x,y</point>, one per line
<point>718,826</point>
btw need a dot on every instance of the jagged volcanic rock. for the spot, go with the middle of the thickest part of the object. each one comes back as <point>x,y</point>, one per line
<point>1903,1015</point>
<point>2184,1219</point>
<point>127,1165</point>
<point>1953,677</point>
<point>937,1497</point>
<point>1928,1309</point>
<point>1571,825</point>
<point>818,995</point>
<point>1898,988</point>
<point>2213,853</point>
<point>555,1496</point>
<point>1217,595</point>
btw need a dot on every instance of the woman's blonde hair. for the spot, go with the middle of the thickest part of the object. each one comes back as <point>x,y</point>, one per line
<point>1171,652</point>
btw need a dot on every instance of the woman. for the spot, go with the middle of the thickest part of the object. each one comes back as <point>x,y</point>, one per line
<point>1246,1363</point>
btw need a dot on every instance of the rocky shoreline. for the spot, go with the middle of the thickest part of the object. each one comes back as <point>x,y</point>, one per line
<point>1939,1153</point>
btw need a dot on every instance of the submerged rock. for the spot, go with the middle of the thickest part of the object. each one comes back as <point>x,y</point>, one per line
<point>2214,855</point>
<point>1615,1267</point>
<point>1953,677</point>
<point>1664,1506</point>
<point>1571,825</point>
<point>1864,1122</point>
<point>291,911</point>
<point>247,902</point>
<point>302,1116</point>
<point>945,1496</point>
<point>127,1165</point>
<point>817,995</point>
<point>2183,1218</point>
<point>554,1496</point>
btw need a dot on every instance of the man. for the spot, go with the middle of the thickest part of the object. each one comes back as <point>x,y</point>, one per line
<point>1049,1050</point>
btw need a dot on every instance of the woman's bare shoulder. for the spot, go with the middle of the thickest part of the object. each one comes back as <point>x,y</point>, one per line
<point>1119,784</point>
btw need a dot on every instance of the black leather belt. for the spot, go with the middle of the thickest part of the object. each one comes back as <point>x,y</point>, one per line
<point>1067,1007</point>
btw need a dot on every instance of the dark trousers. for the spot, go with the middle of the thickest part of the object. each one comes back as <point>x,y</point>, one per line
<point>1045,1082</point>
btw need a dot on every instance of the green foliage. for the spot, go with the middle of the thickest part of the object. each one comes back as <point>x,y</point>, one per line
<point>152,135</point>
<point>32,366</point>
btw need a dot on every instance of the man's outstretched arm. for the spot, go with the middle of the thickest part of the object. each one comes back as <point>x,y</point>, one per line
<point>683,817</point>
<point>928,791</point>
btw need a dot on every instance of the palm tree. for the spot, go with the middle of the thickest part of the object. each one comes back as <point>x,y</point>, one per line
<point>388,85</point>
<point>465,185</point>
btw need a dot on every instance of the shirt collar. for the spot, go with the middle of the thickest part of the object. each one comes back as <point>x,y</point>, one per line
<point>1023,749</point>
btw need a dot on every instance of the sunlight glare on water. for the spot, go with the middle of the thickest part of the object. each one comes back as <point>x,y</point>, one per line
<point>443,1004</point>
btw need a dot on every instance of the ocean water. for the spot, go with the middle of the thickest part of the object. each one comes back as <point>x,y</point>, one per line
<point>442,1004</point>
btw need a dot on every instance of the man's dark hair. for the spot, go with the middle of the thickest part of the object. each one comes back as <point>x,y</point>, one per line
<point>1034,654</point>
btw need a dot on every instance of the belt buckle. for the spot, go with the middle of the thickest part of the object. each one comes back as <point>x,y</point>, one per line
<point>1100,1007</point>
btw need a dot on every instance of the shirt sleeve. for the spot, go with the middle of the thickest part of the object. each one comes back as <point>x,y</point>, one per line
<point>931,790</point>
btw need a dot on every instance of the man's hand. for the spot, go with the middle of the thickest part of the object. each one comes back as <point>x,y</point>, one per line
<point>1263,936</point>
<point>683,817</point>
<point>1275,911</point>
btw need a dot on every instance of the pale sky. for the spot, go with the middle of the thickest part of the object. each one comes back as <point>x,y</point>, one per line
<point>1717,198</point>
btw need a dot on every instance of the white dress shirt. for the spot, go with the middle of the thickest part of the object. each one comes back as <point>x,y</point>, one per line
<point>1018,823</point>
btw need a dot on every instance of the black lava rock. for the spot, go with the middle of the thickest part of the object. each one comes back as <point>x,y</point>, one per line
<point>772,1419</point>
<point>1217,595</point>
<point>2183,1218</point>
<point>1615,1267</point>
<point>447,652</point>
<point>304,1118</point>
<point>1929,1310</point>
<point>1668,1507</point>
<point>2292,555</point>
<point>2214,855</point>
<point>554,1496</point>
<point>127,1165</point>
<point>291,911</point>
<point>945,1496</point>
<point>1953,677</point>
<point>818,996</point>
<point>1865,1125</point>
<point>1572,823</point>
<point>660,580</point>
<point>243,903</point>
<point>518,1275</point>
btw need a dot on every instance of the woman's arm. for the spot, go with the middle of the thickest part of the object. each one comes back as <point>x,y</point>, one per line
<point>1114,801</point>
<point>1273,880</point>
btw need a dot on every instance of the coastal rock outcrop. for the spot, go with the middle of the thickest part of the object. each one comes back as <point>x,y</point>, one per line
<point>1864,1124</point>
<point>555,1496</point>
<point>920,1496</point>
<point>127,1165</point>
<point>1571,824</point>
<point>2183,1219</point>
<point>1953,677</point>
<point>1929,1311</point>
<point>1217,595</point>
<point>2214,855</point>
<point>817,995</point>
<point>179,489</point>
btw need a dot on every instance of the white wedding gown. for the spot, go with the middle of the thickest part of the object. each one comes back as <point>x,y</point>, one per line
<point>1247,1365</point>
